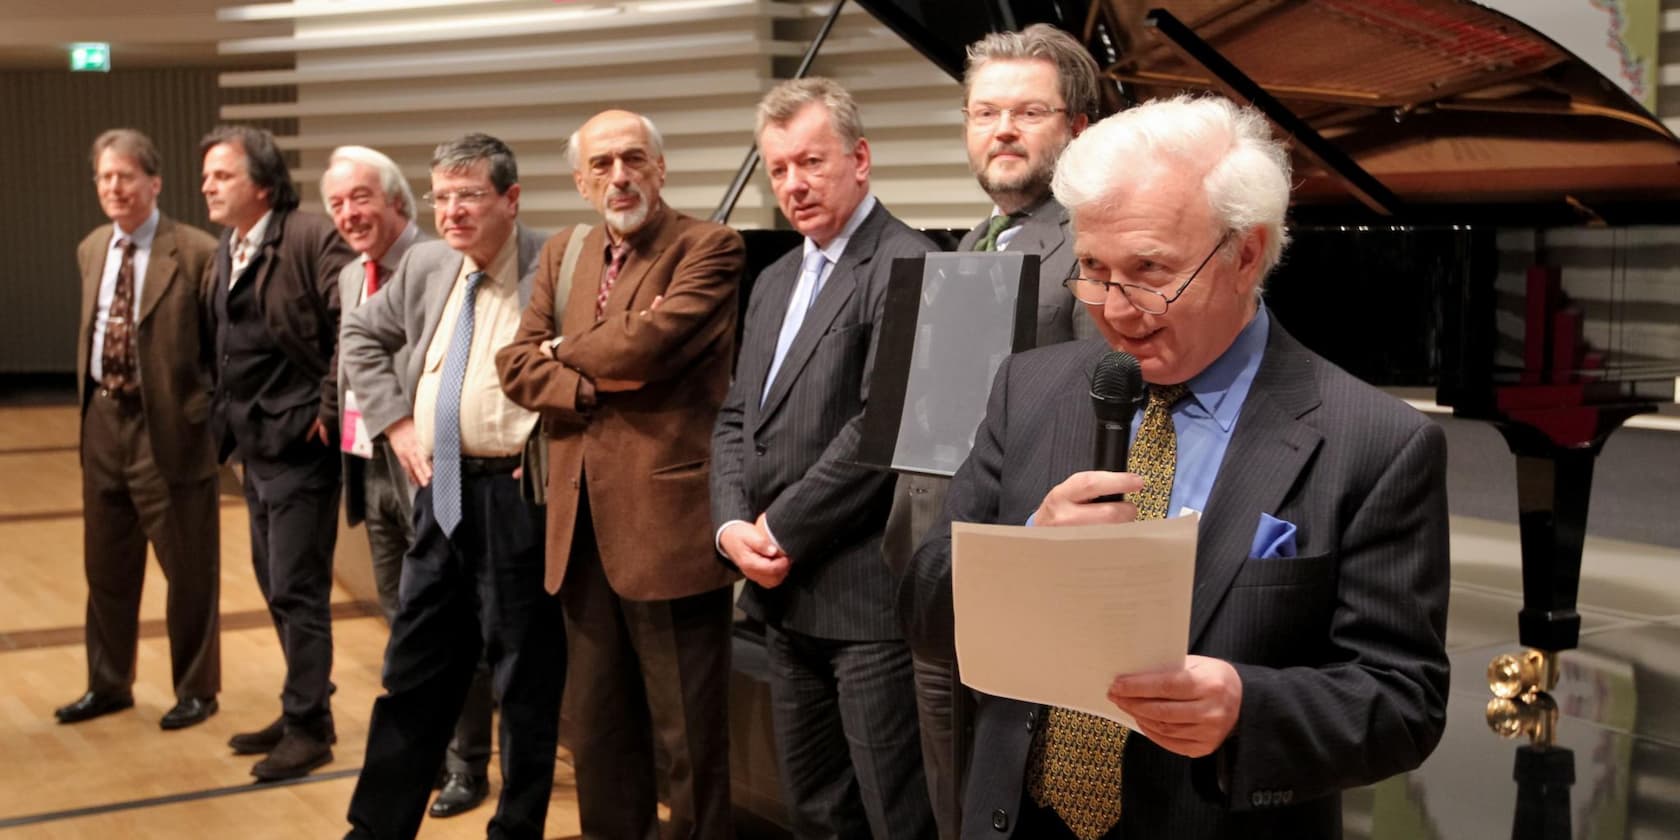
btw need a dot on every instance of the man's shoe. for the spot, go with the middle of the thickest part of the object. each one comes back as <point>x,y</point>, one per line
<point>461,793</point>
<point>190,711</point>
<point>261,741</point>
<point>264,740</point>
<point>92,705</point>
<point>295,755</point>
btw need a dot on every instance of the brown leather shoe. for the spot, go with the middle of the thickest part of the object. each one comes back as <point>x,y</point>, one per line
<point>92,705</point>
<point>296,754</point>
<point>261,741</point>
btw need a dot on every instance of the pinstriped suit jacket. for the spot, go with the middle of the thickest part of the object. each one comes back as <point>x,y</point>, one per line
<point>791,458</point>
<point>1340,649</point>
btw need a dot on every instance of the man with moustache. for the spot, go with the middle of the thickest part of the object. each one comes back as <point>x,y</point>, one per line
<point>472,583</point>
<point>630,382</point>
<point>148,468</point>
<point>794,511</point>
<point>373,208</point>
<point>1027,94</point>
<point>275,301</point>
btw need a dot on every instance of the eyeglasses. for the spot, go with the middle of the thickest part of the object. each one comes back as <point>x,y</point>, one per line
<point>470,198</point>
<point>1143,298</point>
<point>985,116</point>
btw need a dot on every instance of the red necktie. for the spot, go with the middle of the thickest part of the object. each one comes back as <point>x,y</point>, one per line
<point>615,262</point>
<point>372,277</point>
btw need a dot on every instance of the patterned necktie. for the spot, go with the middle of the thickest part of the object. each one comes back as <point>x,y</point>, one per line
<point>994,228</point>
<point>446,448</point>
<point>804,294</point>
<point>1076,760</point>
<point>116,358</point>
<point>615,263</point>
<point>372,269</point>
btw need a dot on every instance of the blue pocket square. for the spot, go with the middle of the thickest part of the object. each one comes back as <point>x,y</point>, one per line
<point>1274,539</point>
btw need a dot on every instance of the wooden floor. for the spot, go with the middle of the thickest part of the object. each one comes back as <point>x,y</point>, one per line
<point>120,776</point>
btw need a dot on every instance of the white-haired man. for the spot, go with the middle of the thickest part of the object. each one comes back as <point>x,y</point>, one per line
<point>1317,624</point>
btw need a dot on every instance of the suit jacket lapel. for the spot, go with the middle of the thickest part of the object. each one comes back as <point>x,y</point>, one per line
<point>90,287</point>
<point>440,281</point>
<point>1041,232</point>
<point>160,268</point>
<point>1270,446</point>
<point>529,250</point>
<point>266,252</point>
<point>842,282</point>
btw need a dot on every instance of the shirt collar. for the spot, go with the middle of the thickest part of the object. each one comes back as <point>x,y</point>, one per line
<point>1222,387</point>
<point>500,265</point>
<point>142,235</point>
<point>394,254</point>
<point>254,236</point>
<point>837,248</point>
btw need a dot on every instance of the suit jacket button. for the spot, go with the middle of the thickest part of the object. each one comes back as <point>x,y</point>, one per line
<point>759,449</point>
<point>1000,820</point>
<point>1032,717</point>
<point>574,484</point>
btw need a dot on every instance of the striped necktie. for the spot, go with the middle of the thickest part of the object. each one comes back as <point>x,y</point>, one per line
<point>446,449</point>
<point>1075,763</point>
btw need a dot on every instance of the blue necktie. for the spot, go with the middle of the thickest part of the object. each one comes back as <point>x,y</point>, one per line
<point>446,449</point>
<point>804,294</point>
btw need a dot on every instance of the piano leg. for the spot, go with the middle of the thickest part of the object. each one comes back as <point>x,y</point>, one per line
<point>1554,486</point>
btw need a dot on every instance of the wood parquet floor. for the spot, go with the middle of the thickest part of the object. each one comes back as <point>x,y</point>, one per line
<point>120,776</point>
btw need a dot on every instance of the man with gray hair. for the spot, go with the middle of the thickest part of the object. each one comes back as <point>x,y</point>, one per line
<point>472,584</point>
<point>371,204</point>
<point>1026,95</point>
<point>628,368</point>
<point>794,510</point>
<point>148,467</point>
<point>1317,660</point>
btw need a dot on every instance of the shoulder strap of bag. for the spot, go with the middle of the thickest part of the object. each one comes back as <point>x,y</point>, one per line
<point>568,264</point>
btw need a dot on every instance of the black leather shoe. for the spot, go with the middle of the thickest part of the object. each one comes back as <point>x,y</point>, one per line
<point>192,710</point>
<point>92,705</point>
<point>461,793</point>
<point>265,739</point>
<point>295,755</point>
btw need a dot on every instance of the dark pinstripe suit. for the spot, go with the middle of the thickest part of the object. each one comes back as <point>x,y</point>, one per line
<point>791,459</point>
<point>1340,649</point>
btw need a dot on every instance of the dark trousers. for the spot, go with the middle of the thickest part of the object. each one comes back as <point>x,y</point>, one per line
<point>388,519</point>
<point>476,594</point>
<point>653,671</point>
<point>847,739</point>
<point>294,525</point>
<point>126,503</point>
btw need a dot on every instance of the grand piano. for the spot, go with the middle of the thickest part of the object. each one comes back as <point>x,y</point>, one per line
<point>1450,162</point>
<point>1441,149</point>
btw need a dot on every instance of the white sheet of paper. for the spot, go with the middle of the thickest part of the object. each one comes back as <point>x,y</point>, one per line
<point>353,433</point>
<point>1053,615</point>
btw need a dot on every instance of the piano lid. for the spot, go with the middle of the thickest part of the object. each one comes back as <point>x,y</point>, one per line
<point>1453,108</point>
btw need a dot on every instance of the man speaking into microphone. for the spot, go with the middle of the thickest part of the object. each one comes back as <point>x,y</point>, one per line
<point>1318,618</point>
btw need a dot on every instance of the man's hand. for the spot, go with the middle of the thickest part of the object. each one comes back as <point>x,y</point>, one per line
<point>318,431</point>
<point>406,444</point>
<point>755,554</point>
<point>551,347</point>
<point>1190,711</point>
<point>1074,501</point>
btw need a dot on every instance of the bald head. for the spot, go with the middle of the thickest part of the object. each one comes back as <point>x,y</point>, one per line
<point>618,164</point>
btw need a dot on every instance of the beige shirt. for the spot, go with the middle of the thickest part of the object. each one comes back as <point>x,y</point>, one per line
<point>491,425</point>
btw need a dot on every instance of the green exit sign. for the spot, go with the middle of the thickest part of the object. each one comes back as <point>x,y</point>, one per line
<point>90,57</point>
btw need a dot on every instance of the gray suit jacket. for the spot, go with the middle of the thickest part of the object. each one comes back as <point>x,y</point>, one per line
<point>351,279</point>
<point>1340,648</point>
<point>793,457</point>
<point>1047,232</point>
<point>404,315</point>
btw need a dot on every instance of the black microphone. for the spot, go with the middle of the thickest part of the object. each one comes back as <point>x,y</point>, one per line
<point>1116,393</point>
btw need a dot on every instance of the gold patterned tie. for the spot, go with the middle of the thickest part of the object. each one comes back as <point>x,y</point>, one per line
<point>1074,766</point>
